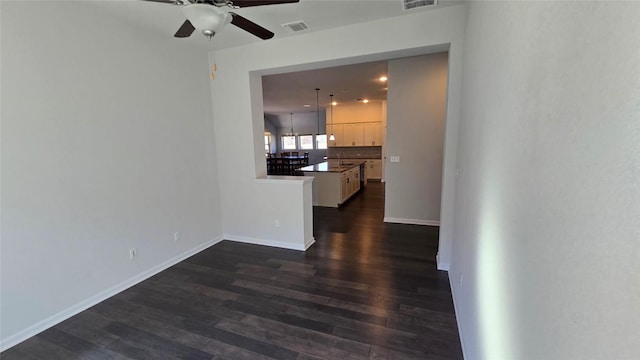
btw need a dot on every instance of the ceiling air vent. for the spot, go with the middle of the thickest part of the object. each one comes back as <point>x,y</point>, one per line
<point>414,4</point>
<point>296,26</point>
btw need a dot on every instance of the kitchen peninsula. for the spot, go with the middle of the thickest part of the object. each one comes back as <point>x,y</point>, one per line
<point>335,181</point>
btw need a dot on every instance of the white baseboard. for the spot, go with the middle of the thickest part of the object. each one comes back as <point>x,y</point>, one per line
<point>93,300</point>
<point>411,221</point>
<point>272,243</point>
<point>441,265</point>
<point>455,309</point>
<point>308,243</point>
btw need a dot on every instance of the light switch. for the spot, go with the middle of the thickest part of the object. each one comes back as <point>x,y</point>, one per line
<point>395,159</point>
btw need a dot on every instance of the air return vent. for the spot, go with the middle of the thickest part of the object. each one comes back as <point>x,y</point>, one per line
<point>414,4</point>
<point>296,26</point>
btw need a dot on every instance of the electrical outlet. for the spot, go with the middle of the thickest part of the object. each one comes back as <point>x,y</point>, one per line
<point>395,159</point>
<point>176,236</point>
<point>132,254</point>
<point>276,223</point>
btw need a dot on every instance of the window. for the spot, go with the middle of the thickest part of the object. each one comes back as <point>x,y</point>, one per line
<point>267,142</point>
<point>289,142</point>
<point>306,142</point>
<point>321,142</point>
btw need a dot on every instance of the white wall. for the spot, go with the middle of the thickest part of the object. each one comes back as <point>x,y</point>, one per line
<point>547,231</point>
<point>239,127</point>
<point>107,145</point>
<point>416,111</point>
<point>269,126</point>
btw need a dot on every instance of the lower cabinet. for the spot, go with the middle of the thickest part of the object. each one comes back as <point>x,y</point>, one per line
<point>374,169</point>
<point>350,183</point>
<point>344,194</point>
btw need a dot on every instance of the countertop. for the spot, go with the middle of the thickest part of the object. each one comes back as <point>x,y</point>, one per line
<point>332,166</point>
<point>355,158</point>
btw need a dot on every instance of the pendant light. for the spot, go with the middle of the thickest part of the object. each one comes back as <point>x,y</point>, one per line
<point>318,108</point>
<point>331,137</point>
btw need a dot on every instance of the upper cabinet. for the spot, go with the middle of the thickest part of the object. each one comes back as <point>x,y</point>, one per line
<point>353,134</point>
<point>338,131</point>
<point>356,134</point>
<point>372,134</point>
<point>356,125</point>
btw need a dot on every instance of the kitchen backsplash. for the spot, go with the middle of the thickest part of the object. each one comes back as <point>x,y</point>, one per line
<point>355,152</point>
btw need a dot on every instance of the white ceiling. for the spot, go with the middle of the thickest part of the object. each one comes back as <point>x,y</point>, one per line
<point>289,92</point>
<point>283,93</point>
<point>165,19</point>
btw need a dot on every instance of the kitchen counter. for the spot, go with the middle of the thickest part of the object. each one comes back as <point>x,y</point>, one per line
<point>335,181</point>
<point>332,166</point>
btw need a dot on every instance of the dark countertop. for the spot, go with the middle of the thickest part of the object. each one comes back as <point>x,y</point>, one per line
<point>332,166</point>
<point>355,158</point>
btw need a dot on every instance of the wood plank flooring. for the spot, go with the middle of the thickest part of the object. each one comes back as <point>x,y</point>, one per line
<point>365,290</point>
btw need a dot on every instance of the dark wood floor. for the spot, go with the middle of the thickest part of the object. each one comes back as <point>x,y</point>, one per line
<point>365,290</point>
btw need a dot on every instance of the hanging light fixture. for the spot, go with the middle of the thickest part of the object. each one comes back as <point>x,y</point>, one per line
<point>318,107</point>
<point>332,137</point>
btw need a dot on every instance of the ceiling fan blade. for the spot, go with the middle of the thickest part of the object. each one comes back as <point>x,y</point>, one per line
<point>250,26</point>
<point>185,30</point>
<point>247,3</point>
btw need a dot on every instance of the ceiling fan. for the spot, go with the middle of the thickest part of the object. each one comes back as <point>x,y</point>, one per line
<point>209,16</point>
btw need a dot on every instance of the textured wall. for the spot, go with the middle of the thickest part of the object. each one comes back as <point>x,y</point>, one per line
<point>103,150</point>
<point>547,228</point>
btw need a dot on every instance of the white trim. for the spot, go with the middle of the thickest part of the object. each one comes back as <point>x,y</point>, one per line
<point>101,296</point>
<point>441,265</point>
<point>412,221</point>
<point>283,179</point>
<point>308,243</point>
<point>272,243</point>
<point>455,309</point>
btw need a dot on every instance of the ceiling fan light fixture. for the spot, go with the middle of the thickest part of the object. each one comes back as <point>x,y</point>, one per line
<point>206,17</point>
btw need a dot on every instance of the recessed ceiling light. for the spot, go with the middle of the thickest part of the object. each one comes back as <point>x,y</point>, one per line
<point>383,78</point>
<point>306,105</point>
<point>365,101</point>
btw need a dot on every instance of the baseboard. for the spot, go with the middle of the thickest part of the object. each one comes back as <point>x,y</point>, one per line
<point>272,243</point>
<point>308,243</point>
<point>96,299</point>
<point>441,265</point>
<point>455,309</point>
<point>411,221</point>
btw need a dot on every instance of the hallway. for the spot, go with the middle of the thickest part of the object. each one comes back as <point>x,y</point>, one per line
<point>365,290</point>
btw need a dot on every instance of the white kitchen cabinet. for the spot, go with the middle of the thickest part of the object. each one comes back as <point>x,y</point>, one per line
<point>356,134</point>
<point>338,131</point>
<point>374,169</point>
<point>353,134</point>
<point>350,183</point>
<point>372,134</point>
<point>344,195</point>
